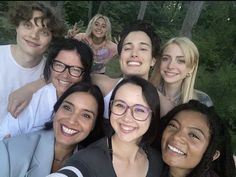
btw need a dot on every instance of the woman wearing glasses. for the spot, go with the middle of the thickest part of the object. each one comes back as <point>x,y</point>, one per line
<point>69,61</point>
<point>134,117</point>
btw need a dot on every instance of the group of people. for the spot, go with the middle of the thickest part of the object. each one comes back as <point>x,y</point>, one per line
<point>63,116</point>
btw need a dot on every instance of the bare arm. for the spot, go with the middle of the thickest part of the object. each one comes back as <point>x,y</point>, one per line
<point>21,97</point>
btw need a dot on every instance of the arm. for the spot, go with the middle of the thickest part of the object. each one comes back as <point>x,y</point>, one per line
<point>21,97</point>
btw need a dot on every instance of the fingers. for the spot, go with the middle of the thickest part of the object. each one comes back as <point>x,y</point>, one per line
<point>16,108</point>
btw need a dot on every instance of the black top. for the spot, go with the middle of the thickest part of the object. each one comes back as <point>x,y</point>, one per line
<point>96,161</point>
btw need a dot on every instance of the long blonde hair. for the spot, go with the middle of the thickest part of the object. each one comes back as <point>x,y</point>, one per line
<point>191,55</point>
<point>93,20</point>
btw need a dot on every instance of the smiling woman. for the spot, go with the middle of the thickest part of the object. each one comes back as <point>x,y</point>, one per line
<point>195,143</point>
<point>77,119</point>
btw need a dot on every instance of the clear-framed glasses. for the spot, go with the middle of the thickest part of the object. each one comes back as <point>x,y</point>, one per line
<point>61,67</point>
<point>138,111</point>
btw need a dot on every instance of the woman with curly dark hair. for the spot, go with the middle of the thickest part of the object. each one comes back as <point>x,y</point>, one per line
<point>196,143</point>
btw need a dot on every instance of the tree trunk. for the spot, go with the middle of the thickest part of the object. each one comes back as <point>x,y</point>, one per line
<point>142,10</point>
<point>191,18</point>
<point>100,7</point>
<point>90,10</point>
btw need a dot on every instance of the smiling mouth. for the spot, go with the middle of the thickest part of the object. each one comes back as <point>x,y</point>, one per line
<point>68,131</point>
<point>174,149</point>
<point>134,63</point>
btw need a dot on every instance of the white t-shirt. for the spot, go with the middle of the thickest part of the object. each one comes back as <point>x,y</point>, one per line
<point>14,76</point>
<point>34,116</point>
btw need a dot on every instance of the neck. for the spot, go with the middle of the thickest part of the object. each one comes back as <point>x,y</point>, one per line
<point>176,172</point>
<point>124,150</point>
<point>24,59</point>
<point>62,153</point>
<point>171,90</point>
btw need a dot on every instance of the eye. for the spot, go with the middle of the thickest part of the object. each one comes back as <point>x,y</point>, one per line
<point>193,135</point>
<point>164,58</point>
<point>66,107</point>
<point>45,32</point>
<point>181,61</point>
<point>119,105</point>
<point>27,25</point>
<point>139,109</point>
<point>87,115</point>
<point>172,125</point>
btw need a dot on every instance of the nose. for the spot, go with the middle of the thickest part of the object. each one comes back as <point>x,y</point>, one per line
<point>74,119</point>
<point>66,73</point>
<point>128,116</point>
<point>34,34</point>
<point>171,64</point>
<point>134,53</point>
<point>179,136</point>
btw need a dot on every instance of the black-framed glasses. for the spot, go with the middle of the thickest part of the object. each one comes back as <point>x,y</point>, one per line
<point>61,67</point>
<point>138,111</point>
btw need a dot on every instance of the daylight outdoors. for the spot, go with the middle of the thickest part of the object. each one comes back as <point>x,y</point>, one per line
<point>210,24</point>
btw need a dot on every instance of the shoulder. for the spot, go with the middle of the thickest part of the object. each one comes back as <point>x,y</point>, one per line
<point>203,98</point>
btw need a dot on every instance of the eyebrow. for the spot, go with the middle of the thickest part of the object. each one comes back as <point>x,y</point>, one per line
<point>194,128</point>
<point>181,56</point>
<point>142,43</point>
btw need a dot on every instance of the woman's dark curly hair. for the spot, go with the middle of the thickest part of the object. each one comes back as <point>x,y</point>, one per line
<point>219,140</point>
<point>23,11</point>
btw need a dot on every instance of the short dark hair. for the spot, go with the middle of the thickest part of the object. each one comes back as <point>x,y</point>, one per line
<point>219,140</point>
<point>94,90</point>
<point>85,52</point>
<point>151,96</point>
<point>140,25</point>
<point>23,11</point>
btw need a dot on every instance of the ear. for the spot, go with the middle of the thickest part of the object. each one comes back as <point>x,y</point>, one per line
<point>153,61</point>
<point>216,155</point>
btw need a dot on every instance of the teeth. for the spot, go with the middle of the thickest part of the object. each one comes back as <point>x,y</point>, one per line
<point>170,74</point>
<point>175,150</point>
<point>64,82</point>
<point>68,130</point>
<point>134,63</point>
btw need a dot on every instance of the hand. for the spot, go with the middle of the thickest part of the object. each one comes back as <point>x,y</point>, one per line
<point>18,100</point>
<point>7,136</point>
<point>72,32</point>
<point>116,40</point>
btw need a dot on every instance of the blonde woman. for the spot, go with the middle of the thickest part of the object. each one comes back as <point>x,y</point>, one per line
<point>98,36</point>
<point>174,75</point>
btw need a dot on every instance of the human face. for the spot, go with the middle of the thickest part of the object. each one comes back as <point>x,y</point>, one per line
<point>75,118</point>
<point>126,128</point>
<point>173,66</point>
<point>33,39</point>
<point>185,140</point>
<point>99,28</point>
<point>136,55</point>
<point>62,81</point>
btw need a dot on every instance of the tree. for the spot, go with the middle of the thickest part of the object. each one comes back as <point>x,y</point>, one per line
<point>142,10</point>
<point>191,18</point>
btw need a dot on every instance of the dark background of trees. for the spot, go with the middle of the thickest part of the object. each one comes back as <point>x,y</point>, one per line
<point>210,24</point>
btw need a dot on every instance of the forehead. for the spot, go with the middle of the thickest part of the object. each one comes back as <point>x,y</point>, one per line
<point>130,93</point>
<point>83,100</point>
<point>38,18</point>
<point>173,49</point>
<point>100,20</point>
<point>137,36</point>
<point>193,119</point>
<point>69,57</point>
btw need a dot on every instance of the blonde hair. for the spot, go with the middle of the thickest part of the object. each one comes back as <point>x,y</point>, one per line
<point>191,55</point>
<point>93,20</point>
